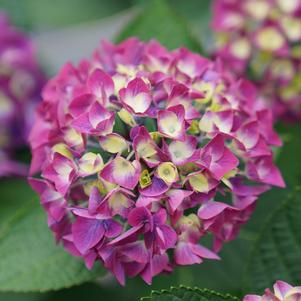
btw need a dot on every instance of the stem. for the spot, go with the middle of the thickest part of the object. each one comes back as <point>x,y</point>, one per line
<point>130,155</point>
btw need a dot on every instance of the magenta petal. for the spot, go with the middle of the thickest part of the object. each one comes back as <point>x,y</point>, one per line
<point>170,236</point>
<point>87,233</point>
<point>118,271</point>
<point>128,236</point>
<point>94,200</point>
<point>80,104</point>
<point>100,84</point>
<point>136,251</point>
<point>176,197</point>
<point>90,259</point>
<point>112,228</point>
<point>82,123</point>
<point>156,265</point>
<point>158,187</point>
<point>264,170</point>
<point>139,216</point>
<point>217,158</point>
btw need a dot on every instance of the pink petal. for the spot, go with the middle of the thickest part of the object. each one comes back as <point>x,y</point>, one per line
<point>183,255</point>
<point>176,197</point>
<point>81,104</point>
<point>252,298</point>
<point>182,152</point>
<point>203,252</point>
<point>122,172</point>
<point>136,96</point>
<point>264,170</point>
<point>212,209</point>
<point>171,123</point>
<point>281,288</point>
<point>101,85</point>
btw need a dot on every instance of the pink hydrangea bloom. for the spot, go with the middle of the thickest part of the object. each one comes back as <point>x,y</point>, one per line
<point>262,38</point>
<point>282,292</point>
<point>143,152</point>
<point>20,84</point>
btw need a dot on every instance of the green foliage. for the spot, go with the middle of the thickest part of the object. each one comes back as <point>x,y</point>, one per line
<point>159,21</point>
<point>30,259</point>
<point>188,294</point>
<point>277,251</point>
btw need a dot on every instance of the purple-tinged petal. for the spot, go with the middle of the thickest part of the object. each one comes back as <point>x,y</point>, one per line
<point>157,188</point>
<point>128,236</point>
<point>168,236</point>
<point>87,233</point>
<point>135,251</point>
<point>140,216</point>
<point>94,200</point>
<point>112,228</point>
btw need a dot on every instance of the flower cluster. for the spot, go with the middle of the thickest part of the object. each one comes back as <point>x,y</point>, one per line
<point>20,83</point>
<point>262,38</point>
<point>282,292</point>
<point>144,152</point>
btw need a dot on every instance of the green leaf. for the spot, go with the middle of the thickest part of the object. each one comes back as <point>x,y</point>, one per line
<point>159,21</point>
<point>188,294</point>
<point>30,259</point>
<point>277,250</point>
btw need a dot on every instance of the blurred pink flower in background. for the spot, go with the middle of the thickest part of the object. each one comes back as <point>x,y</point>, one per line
<point>282,292</point>
<point>261,39</point>
<point>143,152</point>
<point>20,84</point>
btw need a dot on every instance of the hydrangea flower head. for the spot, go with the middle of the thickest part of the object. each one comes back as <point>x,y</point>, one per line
<point>282,292</point>
<point>20,83</point>
<point>143,152</point>
<point>262,38</point>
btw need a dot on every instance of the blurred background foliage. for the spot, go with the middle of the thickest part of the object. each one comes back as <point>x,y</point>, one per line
<point>63,17</point>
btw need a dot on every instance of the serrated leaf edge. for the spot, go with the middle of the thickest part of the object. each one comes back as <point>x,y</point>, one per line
<point>194,289</point>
